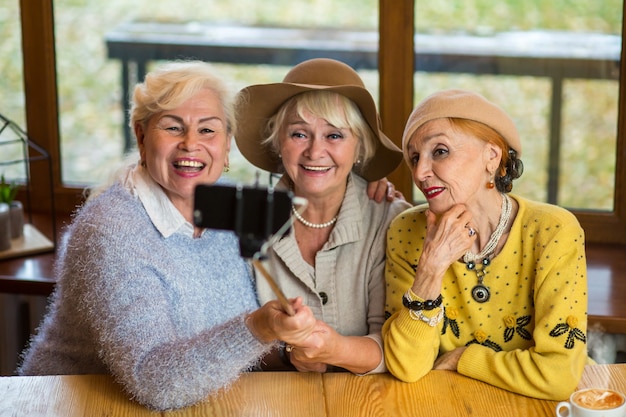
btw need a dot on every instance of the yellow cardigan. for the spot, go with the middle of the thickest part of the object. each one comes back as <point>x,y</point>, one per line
<point>529,337</point>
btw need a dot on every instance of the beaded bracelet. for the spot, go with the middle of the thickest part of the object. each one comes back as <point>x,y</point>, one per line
<point>431,321</point>
<point>421,305</point>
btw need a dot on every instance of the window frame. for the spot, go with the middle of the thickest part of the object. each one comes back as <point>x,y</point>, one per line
<point>396,102</point>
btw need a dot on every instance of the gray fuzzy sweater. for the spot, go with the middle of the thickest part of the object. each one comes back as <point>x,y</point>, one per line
<point>164,316</point>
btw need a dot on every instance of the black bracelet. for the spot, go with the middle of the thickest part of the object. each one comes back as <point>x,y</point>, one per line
<point>422,305</point>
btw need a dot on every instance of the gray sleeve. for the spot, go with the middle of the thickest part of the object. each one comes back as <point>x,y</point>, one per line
<point>129,313</point>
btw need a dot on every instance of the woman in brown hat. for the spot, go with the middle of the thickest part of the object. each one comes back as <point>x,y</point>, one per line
<point>321,130</point>
<point>486,284</point>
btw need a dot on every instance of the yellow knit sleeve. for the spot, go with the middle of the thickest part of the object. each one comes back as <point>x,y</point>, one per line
<point>411,346</point>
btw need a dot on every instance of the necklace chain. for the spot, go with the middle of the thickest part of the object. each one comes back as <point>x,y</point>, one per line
<point>309,224</point>
<point>490,247</point>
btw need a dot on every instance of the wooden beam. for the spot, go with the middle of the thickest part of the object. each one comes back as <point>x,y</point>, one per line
<point>395,66</point>
<point>42,113</point>
<point>40,93</point>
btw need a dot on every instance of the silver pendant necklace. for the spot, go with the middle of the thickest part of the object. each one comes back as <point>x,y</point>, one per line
<point>480,292</point>
<point>312,225</point>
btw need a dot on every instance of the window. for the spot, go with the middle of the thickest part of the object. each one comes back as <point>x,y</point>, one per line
<point>552,68</point>
<point>11,88</point>
<point>91,64</point>
<point>396,101</point>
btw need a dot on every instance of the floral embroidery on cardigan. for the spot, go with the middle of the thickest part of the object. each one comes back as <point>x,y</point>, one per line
<point>480,338</point>
<point>573,332</point>
<point>449,319</point>
<point>514,325</point>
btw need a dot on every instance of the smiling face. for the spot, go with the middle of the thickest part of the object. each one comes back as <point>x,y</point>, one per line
<point>185,146</point>
<point>449,165</point>
<point>316,155</point>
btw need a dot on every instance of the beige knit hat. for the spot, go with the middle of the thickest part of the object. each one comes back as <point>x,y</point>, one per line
<point>462,104</point>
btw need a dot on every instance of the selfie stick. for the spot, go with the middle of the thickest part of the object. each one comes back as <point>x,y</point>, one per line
<point>256,261</point>
<point>279,294</point>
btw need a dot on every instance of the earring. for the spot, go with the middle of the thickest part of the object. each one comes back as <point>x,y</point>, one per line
<point>357,162</point>
<point>491,183</point>
<point>143,163</point>
<point>226,168</point>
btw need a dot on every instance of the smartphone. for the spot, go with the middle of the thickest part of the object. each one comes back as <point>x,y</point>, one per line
<point>253,213</point>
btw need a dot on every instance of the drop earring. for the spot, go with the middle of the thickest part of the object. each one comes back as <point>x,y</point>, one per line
<point>491,182</point>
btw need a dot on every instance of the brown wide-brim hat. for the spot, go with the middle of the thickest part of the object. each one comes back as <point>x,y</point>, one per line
<point>462,104</point>
<point>256,104</point>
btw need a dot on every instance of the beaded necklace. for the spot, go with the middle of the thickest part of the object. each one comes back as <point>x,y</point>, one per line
<point>308,223</point>
<point>480,292</point>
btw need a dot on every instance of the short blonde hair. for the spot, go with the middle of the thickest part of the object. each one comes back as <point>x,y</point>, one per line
<point>173,83</point>
<point>338,110</point>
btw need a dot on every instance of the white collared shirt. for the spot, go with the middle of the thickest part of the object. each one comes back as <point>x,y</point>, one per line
<point>162,212</point>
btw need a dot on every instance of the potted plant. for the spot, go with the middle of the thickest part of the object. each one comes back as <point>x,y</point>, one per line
<point>8,192</point>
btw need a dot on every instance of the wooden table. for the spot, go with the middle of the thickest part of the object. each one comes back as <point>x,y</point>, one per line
<point>439,394</point>
<point>33,275</point>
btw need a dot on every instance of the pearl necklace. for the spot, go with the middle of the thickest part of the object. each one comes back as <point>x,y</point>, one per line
<point>312,225</point>
<point>505,215</point>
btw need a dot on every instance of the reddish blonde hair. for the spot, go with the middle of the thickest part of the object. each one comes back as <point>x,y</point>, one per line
<point>485,133</point>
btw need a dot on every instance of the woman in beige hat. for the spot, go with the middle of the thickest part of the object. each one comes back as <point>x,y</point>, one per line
<point>321,130</point>
<point>486,284</point>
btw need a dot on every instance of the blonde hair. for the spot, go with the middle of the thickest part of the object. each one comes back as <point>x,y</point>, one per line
<point>173,83</point>
<point>337,109</point>
<point>165,88</point>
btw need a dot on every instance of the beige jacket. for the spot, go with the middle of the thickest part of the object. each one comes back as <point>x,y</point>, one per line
<point>346,288</point>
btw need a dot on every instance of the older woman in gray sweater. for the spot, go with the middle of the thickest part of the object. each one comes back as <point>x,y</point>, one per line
<point>168,309</point>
